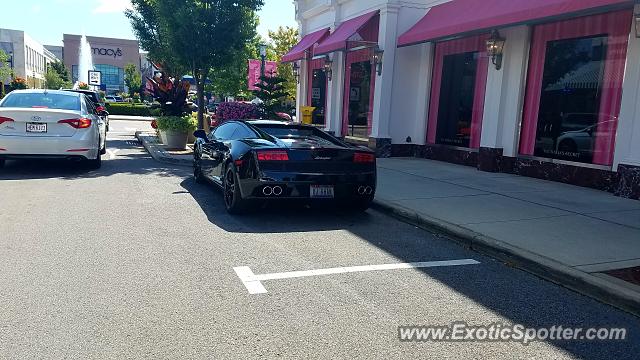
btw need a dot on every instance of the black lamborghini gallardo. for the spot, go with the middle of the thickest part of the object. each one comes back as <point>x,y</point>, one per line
<point>264,160</point>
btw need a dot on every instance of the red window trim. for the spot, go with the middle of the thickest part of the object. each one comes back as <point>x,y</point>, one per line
<point>617,25</point>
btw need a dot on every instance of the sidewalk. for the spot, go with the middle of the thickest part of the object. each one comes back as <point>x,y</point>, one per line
<point>567,234</point>
<point>131,118</point>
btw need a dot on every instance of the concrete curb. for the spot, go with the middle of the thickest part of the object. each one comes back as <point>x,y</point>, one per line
<point>157,153</point>
<point>600,289</point>
<point>130,118</point>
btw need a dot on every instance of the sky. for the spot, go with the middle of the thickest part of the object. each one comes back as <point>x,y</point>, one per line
<point>46,20</point>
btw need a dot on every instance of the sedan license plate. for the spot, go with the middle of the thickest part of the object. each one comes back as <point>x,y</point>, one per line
<point>322,191</point>
<point>36,128</point>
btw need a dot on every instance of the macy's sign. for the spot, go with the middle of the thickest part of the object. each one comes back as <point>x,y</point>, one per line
<point>107,52</point>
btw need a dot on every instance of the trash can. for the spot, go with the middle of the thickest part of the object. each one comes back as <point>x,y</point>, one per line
<point>307,114</point>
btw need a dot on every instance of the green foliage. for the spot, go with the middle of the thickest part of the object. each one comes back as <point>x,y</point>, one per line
<point>194,35</point>
<point>62,71</point>
<point>283,40</point>
<point>128,109</point>
<point>132,78</point>
<point>272,92</point>
<point>5,71</point>
<point>18,83</point>
<point>54,81</point>
<point>179,124</point>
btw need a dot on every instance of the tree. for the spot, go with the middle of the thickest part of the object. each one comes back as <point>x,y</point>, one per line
<point>5,70</point>
<point>62,71</point>
<point>282,41</point>
<point>272,92</point>
<point>132,78</point>
<point>53,80</point>
<point>198,35</point>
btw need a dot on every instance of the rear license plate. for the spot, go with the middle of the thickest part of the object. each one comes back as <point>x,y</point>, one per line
<point>322,191</point>
<point>36,128</point>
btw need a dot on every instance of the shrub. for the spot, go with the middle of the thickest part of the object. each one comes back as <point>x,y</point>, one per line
<point>128,109</point>
<point>237,111</point>
<point>184,124</point>
<point>18,83</point>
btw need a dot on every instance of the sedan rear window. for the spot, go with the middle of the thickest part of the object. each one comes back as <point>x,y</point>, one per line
<point>42,100</point>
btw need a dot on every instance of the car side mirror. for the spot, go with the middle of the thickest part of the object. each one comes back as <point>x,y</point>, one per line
<point>200,134</point>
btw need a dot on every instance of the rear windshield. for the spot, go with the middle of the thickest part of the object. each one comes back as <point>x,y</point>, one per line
<point>299,133</point>
<point>42,100</point>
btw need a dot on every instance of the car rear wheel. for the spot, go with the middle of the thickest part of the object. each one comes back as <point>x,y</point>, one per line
<point>197,173</point>
<point>96,163</point>
<point>361,205</point>
<point>233,201</point>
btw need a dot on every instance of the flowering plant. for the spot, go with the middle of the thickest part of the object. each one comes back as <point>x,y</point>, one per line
<point>237,111</point>
<point>19,83</point>
<point>83,86</point>
<point>154,124</point>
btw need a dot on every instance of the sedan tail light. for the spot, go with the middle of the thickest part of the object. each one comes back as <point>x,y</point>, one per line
<point>81,123</point>
<point>273,156</point>
<point>5,119</point>
<point>100,108</point>
<point>364,158</point>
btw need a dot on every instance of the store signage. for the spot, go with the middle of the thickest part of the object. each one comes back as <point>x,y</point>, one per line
<point>255,69</point>
<point>95,78</point>
<point>115,53</point>
<point>315,93</point>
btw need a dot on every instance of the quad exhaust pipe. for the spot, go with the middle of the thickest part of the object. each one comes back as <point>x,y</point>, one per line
<point>365,190</point>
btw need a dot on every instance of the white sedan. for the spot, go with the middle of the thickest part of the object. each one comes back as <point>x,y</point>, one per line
<point>51,124</point>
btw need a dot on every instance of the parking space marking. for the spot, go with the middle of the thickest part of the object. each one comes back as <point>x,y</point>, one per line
<point>253,282</point>
<point>112,153</point>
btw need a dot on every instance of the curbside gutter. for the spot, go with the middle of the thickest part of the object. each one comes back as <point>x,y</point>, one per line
<point>543,267</point>
<point>157,153</point>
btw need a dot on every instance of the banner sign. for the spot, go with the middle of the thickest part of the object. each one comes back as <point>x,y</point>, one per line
<point>95,78</point>
<point>255,68</point>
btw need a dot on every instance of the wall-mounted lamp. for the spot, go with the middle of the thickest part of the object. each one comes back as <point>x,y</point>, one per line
<point>636,18</point>
<point>495,48</point>
<point>328,67</point>
<point>296,71</point>
<point>378,55</point>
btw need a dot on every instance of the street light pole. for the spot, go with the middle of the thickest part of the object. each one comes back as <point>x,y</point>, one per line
<point>33,73</point>
<point>263,56</point>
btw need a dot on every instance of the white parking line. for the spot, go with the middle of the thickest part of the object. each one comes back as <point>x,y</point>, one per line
<point>112,153</point>
<point>253,282</point>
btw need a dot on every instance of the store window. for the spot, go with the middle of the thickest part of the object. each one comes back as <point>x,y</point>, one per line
<point>458,90</point>
<point>317,96</point>
<point>359,92</point>
<point>574,88</point>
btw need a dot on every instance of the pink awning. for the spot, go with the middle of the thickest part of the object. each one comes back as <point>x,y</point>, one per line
<point>338,39</point>
<point>465,16</point>
<point>298,52</point>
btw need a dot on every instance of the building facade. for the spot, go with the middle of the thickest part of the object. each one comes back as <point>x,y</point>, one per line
<point>27,57</point>
<point>546,88</point>
<point>109,56</point>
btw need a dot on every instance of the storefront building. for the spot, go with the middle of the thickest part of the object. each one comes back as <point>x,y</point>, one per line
<point>27,57</point>
<point>547,88</point>
<point>109,56</point>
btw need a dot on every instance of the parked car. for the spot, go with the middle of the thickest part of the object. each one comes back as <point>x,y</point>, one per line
<point>114,99</point>
<point>273,160</point>
<point>51,124</point>
<point>98,102</point>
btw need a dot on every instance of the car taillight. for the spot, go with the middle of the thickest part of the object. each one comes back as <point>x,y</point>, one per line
<point>363,158</point>
<point>100,108</point>
<point>5,119</point>
<point>273,156</point>
<point>81,123</point>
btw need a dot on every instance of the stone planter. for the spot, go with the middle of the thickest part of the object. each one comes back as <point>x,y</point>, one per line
<point>176,140</point>
<point>191,139</point>
<point>162,136</point>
